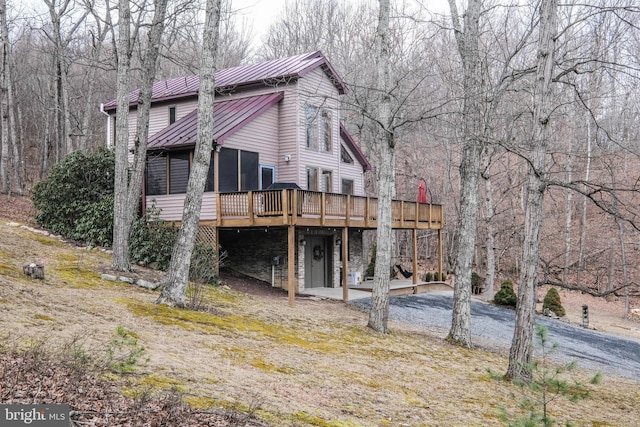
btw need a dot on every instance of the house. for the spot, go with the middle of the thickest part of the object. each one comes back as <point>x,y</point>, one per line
<point>285,195</point>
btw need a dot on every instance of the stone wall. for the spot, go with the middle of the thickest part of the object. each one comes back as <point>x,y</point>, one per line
<point>251,252</point>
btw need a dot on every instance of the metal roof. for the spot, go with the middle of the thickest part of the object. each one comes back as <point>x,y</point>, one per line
<point>230,116</point>
<point>268,73</point>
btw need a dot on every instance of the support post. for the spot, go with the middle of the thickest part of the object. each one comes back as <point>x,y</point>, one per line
<point>414,249</point>
<point>440,252</point>
<point>345,264</point>
<point>291,264</point>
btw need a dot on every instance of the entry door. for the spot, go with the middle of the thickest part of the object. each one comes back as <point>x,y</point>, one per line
<point>316,262</point>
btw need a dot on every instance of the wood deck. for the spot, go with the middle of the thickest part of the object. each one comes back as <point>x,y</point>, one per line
<point>318,209</point>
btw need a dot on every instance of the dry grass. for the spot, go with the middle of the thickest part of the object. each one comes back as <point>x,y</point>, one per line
<point>315,364</point>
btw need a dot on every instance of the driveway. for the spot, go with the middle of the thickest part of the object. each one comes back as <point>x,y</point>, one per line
<point>492,327</point>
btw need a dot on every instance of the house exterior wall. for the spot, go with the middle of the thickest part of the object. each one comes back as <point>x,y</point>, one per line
<point>316,90</point>
<point>251,251</point>
<point>352,171</point>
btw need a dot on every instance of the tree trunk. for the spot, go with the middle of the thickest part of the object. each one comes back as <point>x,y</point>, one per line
<point>583,218</point>
<point>520,353</point>
<point>467,41</point>
<point>4,116</point>
<point>379,313</point>
<point>175,286</point>
<point>144,105</point>
<point>489,289</point>
<point>120,258</point>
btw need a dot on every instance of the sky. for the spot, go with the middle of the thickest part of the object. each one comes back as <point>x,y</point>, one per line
<point>261,13</point>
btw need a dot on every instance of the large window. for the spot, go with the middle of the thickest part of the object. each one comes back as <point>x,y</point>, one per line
<point>311,121</point>
<point>156,180</point>
<point>228,162</point>
<point>319,127</point>
<point>239,170</point>
<point>168,173</point>
<point>179,172</point>
<point>325,131</point>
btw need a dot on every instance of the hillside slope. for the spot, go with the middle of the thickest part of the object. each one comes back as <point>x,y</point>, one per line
<point>315,364</point>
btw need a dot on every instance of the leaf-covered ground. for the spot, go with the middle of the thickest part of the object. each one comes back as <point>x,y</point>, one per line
<point>314,364</point>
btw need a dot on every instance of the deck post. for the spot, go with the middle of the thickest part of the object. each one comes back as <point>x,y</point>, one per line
<point>414,249</point>
<point>345,264</point>
<point>284,198</point>
<point>291,264</point>
<point>323,204</point>
<point>250,206</point>
<point>440,252</point>
<point>218,209</point>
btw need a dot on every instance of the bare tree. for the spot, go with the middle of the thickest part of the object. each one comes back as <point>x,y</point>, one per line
<point>4,100</point>
<point>120,258</point>
<point>175,286</point>
<point>385,145</point>
<point>520,353</point>
<point>467,40</point>
<point>131,188</point>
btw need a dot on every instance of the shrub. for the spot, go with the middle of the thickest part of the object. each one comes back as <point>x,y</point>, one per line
<point>442,278</point>
<point>553,303</point>
<point>506,295</point>
<point>152,240</point>
<point>205,263</point>
<point>428,277</point>
<point>76,199</point>
<point>476,280</point>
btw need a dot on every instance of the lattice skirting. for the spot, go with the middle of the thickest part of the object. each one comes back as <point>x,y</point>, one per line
<point>207,234</point>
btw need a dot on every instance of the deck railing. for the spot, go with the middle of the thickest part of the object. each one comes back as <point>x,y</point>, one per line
<point>312,208</point>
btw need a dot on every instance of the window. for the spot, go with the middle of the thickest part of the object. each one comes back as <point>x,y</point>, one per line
<point>228,163</point>
<point>179,172</point>
<point>345,156</point>
<point>325,134</point>
<point>248,171</point>
<point>312,179</point>
<point>211,176</point>
<point>267,176</point>
<point>347,186</point>
<point>319,128</point>
<point>326,181</point>
<point>168,173</point>
<point>239,170</point>
<point>310,121</point>
<point>172,115</point>
<point>156,180</point>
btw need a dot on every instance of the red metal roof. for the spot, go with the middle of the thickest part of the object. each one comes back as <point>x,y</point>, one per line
<point>351,143</point>
<point>229,117</point>
<point>274,72</point>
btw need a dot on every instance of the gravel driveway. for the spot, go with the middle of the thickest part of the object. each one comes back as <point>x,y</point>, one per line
<point>492,327</point>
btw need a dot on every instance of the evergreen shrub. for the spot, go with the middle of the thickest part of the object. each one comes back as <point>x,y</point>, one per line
<point>152,240</point>
<point>552,302</point>
<point>76,198</point>
<point>371,268</point>
<point>506,295</point>
<point>428,277</point>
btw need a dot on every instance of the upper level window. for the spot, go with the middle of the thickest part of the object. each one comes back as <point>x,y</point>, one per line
<point>172,115</point>
<point>318,128</point>
<point>168,173</point>
<point>311,122</point>
<point>345,156</point>
<point>325,133</point>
